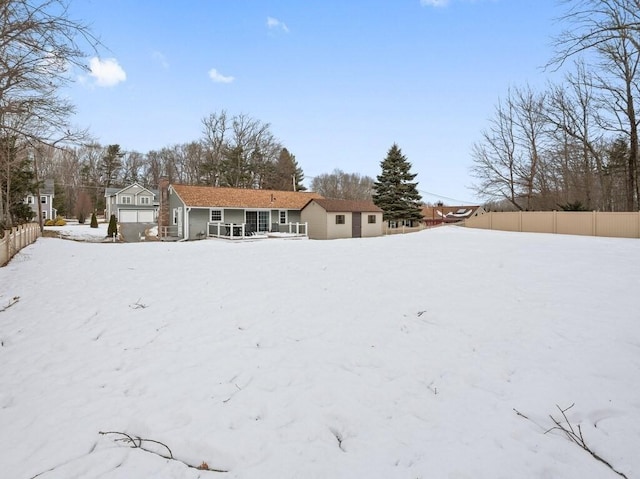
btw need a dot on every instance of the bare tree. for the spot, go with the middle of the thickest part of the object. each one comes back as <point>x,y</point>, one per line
<point>341,185</point>
<point>610,29</point>
<point>38,44</point>
<point>496,158</point>
<point>215,129</point>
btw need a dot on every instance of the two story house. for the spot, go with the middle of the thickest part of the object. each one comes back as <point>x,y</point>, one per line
<point>46,202</point>
<point>131,204</point>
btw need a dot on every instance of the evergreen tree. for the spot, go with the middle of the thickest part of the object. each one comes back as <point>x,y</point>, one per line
<point>394,191</point>
<point>94,220</point>
<point>110,165</point>
<point>285,174</point>
<point>16,182</point>
<point>112,230</point>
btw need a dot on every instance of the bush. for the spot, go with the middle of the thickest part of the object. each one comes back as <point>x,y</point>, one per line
<point>94,220</point>
<point>50,223</point>
<point>60,221</point>
<point>113,227</point>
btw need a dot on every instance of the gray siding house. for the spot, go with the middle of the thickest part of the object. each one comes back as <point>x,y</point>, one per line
<point>46,201</point>
<point>131,204</point>
<point>196,212</point>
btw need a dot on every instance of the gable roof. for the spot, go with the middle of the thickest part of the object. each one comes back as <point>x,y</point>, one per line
<point>212,197</point>
<point>444,212</point>
<point>108,192</point>
<point>348,206</point>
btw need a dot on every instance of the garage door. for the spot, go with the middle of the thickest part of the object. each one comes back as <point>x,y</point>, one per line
<point>128,216</point>
<point>145,216</point>
<point>136,216</point>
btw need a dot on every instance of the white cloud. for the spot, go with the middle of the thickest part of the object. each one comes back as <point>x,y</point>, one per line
<point>274,23</point>
<point>218,77</point>
<point>434,3</point>
<point>106,72</point>
<point>160,59</point>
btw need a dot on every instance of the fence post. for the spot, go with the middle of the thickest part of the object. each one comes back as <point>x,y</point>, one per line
<point>594,223</point>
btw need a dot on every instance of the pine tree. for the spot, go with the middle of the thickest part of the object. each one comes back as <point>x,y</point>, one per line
<point>285,174</point>
<point>394,191</point>
<point>94,220</point>
<point>113,227</point>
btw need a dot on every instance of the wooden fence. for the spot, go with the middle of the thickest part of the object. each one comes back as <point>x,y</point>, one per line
<point>17,238</point>
<point>586,223</point>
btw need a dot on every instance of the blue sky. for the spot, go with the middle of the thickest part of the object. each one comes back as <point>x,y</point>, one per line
<point>338,81</point>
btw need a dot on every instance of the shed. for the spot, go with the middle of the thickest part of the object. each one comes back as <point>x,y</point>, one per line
<point>332,219</point>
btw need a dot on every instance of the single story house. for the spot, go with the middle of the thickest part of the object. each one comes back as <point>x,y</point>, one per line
<point>332,219</point>
<point>439,214</point>
<point>195,212</point>
<point>46,201</point>
<point>131,204</point>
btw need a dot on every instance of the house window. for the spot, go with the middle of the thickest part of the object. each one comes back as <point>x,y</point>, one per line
<point>145,200</point>
<point>371,219</point>
<point>43,200</point>
<point>216,215</point>
<point>125,199</point>
<point>44,215</point>
<point>30,200</point>
<point>339,219</point>
<point>175,216</point>
<point>283,217</point>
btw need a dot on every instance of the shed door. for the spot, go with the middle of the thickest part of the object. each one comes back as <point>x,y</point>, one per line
<point>356,225</point>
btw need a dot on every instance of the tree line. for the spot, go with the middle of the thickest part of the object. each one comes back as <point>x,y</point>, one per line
<point>234,151</point>
<point>574,144</point>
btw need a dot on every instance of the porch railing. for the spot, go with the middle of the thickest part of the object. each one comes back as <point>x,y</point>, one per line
<point>167,232</point>
<point>300,229</point>
<point>244,230</point>
<point>227,230</point>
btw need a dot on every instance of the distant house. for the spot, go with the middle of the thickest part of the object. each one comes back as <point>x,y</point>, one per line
<point>332,219</point>
<point>439,214</point>
<point>46,201</point>
<point>195,212</point>
<point>131,204</point>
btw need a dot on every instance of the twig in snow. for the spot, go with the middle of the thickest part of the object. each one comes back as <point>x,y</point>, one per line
<point>520,414</point>
<point>577,437</point>
<point>339,439</point>
<point>138,305</point>
<point>137,442</point>
<point>574,434</point>
<point>11,302</point>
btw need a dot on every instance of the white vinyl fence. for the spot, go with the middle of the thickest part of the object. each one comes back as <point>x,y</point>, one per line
<point>17,238</point>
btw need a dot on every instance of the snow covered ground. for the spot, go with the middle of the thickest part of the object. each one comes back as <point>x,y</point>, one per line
<point>409,356</point>
<point>81,232</point>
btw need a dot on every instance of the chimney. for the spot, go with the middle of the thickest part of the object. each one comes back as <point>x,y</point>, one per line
<point>163,213</point>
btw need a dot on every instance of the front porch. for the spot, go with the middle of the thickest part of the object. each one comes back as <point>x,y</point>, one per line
<point>235,231</point>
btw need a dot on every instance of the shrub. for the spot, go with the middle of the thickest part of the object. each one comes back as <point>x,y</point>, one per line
<point>113,227</point>
<point>60,221</point>
<point>94,220</point>
<point>50,223</point>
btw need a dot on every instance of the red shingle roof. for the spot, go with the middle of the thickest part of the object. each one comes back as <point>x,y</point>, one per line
<point>211,197</point>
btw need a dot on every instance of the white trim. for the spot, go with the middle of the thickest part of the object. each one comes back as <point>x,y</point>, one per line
<point>221,210</point>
